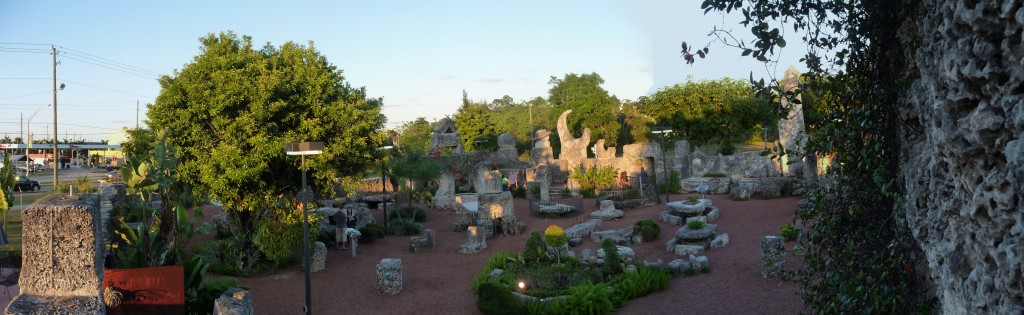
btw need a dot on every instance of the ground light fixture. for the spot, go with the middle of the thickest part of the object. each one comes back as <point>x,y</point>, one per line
<point>303,149</point>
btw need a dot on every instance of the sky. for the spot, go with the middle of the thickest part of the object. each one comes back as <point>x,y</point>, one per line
<point>418,56</point>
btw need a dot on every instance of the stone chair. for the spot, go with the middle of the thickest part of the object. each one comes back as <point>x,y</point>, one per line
<point>426,240</point>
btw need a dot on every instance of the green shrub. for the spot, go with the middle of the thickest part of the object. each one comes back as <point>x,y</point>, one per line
<point>534,192</point>
<point>209,291</point>
<point>404,227</point>
<point>535,251</point>
<point>84,185</point>
<point>642,282</point>
<point>588,192</point>
<point>727,148</point>
<point>788,231</point>
<point>371,232</point>
<point>495,298</point>
<point>612,261</point>
<point>589,298</point>
<point>696,224</point>
<point>671,185</point>
<point>415,213</point>
<point>692,198</point>
<point>519,191</point>
<point>595,177</point>
<point>647,229</point>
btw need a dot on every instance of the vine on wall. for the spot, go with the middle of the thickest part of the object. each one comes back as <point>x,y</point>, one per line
<point>859,254</point>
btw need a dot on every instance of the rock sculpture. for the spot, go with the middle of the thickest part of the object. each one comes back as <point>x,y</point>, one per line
<point>234,301</point>
<point>574,150</point>
<point>607,211</point>
<point>475,242</point>
<point>791,128</point>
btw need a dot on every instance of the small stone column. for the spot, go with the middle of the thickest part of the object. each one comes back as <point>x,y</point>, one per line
<point>773,256</point>
<point>389,276</point>
<point>64,247</point>
<point>319,259</point>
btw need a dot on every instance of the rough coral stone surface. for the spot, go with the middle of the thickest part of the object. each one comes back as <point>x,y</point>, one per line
<point>773,256</point>
<point>61,252</point>
<point>234,301</point>
<point>389,276</point>
<point>964,166</point>
<point>319,257</point>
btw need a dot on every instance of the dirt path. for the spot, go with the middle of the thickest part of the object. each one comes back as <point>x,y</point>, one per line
<point>438,281</point>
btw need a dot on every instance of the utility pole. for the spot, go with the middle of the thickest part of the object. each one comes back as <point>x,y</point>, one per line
<point>21,126</point>
<point>56,158</point>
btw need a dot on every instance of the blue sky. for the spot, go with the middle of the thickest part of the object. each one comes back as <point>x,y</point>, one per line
<point>419,56</point>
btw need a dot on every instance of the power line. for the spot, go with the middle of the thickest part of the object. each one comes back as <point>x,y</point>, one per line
<point>107,61</point>
<point>20,50</point>
<point>111,68</point>
<point>84,126</point>
<point>23,95</point>
<point>111,90</point>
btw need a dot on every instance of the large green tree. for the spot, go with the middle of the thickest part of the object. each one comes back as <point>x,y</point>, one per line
<point>231,110</point>
<point>708,110</point>
<point>474,123</point>
<point>592,107</point>
<point>414,136</point>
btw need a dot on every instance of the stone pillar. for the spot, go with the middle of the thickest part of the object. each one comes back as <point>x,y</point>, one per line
<point>62,266</point>
<point>488,180</point>
<point>791,129</point>
<point>389,276</point>
<point>682,156</point>
<point>319,257</point>
<point>773,256</point>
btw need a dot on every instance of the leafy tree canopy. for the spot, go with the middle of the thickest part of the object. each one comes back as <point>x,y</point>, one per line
<point>707,110</point>
<point>232,109</point>
<point>414,136</point>
<point>474,122</point>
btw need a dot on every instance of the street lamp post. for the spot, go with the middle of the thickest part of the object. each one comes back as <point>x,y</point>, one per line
<point>302,149</point>
<point>384,186</point>
<point>662,131</point>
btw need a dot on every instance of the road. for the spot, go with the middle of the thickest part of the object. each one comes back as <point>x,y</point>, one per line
<point>65,176</point>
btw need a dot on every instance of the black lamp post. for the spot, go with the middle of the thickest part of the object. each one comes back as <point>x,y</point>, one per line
<point>662,131</point>
<point>302,149</point>
<point>384,187</point>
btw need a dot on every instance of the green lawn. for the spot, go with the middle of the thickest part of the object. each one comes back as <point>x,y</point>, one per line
<point>26,198</point>
<point>13,229</point>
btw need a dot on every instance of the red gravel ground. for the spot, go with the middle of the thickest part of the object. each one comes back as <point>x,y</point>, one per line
<point>438,281</point>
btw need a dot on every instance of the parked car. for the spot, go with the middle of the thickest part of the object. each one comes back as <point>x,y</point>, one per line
<point>38,167</point>
<point>24,183</point>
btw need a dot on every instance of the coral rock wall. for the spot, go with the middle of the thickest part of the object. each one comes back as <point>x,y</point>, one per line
<point>964,166</point>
